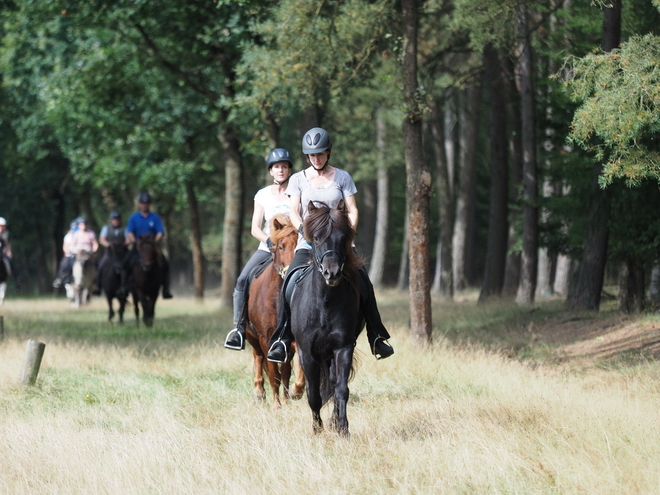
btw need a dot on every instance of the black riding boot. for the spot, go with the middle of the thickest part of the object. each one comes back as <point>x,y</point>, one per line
<point>236,337</point>
<point>377,334</point>
<point>280,342</point>
<point>97,281</point>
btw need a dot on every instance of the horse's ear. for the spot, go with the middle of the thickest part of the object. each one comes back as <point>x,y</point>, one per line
<point>342,205</point>
<point>311,207</point>
<point>277,225</point>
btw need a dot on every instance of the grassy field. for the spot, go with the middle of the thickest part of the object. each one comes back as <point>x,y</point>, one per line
<point>495,406</point>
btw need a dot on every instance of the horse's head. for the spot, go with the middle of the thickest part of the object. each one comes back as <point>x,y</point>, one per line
<point>147,251</point>
<point>284,237</point>
<point>330,234</point>
<point>83,255</point>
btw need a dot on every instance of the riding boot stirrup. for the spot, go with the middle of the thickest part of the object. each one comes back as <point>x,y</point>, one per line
<point>278,352</point>
<point>381,348</point>
<point>235,339</point>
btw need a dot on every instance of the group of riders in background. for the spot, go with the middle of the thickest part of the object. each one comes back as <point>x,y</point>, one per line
<point>80,238</point>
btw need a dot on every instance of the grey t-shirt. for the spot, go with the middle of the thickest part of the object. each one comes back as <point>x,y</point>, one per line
<point>342,186</point>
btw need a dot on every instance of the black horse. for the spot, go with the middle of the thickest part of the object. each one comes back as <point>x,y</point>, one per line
<point>325,315</point>
<point>110,278</point>
<point>148,276</point>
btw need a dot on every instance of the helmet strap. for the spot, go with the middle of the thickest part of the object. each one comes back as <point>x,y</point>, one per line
<point>281,183</point>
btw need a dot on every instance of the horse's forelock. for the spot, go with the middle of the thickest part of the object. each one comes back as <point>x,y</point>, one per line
<point>281,227</point>
<point>323,219</point>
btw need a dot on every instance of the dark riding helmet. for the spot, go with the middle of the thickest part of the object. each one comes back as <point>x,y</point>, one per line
<point>144,197</point>
<point>316,140</point>
<point>81,220</point>
<point>115,214</point>
<point>279,155</point>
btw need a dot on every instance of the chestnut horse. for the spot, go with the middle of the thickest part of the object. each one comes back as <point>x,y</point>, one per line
<point>264,295</point>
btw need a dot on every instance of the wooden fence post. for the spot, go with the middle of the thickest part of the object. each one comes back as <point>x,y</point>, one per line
<point>35,351</point>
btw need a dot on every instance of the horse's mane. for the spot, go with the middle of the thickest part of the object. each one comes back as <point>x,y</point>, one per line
<point>281,227</point>
<point>322,220</point>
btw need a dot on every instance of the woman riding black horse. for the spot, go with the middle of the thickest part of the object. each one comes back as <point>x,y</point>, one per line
<point>321,182</point>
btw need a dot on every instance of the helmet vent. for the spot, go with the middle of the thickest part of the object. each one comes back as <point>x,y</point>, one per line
<point>317,138</point>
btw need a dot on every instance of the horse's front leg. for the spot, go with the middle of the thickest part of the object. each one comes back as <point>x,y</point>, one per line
<point>285,378</point>
<point>111,312</point>
<point>258,359</point>
<point>342,369</point>
<point>313,382</point>
<point>298,388</point>
<point>136,306</point>
<point>122,308</point>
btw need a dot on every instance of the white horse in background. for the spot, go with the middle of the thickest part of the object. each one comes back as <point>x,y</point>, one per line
<point>5,271</point>
<point>84,274</point>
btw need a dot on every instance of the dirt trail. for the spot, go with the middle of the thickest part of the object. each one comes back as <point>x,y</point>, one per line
<point>576,335</point>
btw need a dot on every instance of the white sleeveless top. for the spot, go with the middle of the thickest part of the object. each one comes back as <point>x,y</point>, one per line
<point>272,206</point>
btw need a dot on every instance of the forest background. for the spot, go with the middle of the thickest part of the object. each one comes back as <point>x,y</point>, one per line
<point>509,146</point>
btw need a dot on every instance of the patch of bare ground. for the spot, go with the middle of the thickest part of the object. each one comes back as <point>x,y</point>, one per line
<point>576,336</point>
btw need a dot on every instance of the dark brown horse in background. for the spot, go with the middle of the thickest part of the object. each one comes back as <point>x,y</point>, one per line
<point>263,300</point>
<point>111,278</point>
<point>147,274</point>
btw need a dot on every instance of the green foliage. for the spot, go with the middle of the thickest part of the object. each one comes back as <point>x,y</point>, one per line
<point>618,119</point>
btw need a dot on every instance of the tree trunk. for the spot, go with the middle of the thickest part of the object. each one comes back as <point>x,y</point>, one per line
<point>418,181</point>
<point>514,115</point>
<point>232,229</point>
<point>529,255</point>
<point>368,199</point>
<point>654,287</point>
<point>469,124</point>
<point>379,254</point>
<point>498,227</point>
<point>403,280</point>
<point>562,275</point>
<point>544,277</point>
<point>632,285</point>
<point>195,242</point>
<point>442,283</point>
<point>594,256</point>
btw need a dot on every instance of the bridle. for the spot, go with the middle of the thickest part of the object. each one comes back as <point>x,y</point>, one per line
<point>318,260</point>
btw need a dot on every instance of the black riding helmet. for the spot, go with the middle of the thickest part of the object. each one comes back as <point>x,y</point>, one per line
<point>144,197</point>
<point>278,155</point>
<point>115,214</point>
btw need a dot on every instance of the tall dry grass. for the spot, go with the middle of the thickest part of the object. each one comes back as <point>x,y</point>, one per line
<point>169,410</point>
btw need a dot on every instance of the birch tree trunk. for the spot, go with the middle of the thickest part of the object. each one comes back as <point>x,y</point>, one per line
<point>195,241</point>
<point>442,284</point>
<point>469,124</point>
<point>529,255</point>
<point>379,255</point>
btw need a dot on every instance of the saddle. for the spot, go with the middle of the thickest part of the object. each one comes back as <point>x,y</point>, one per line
<point>294,278</point>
